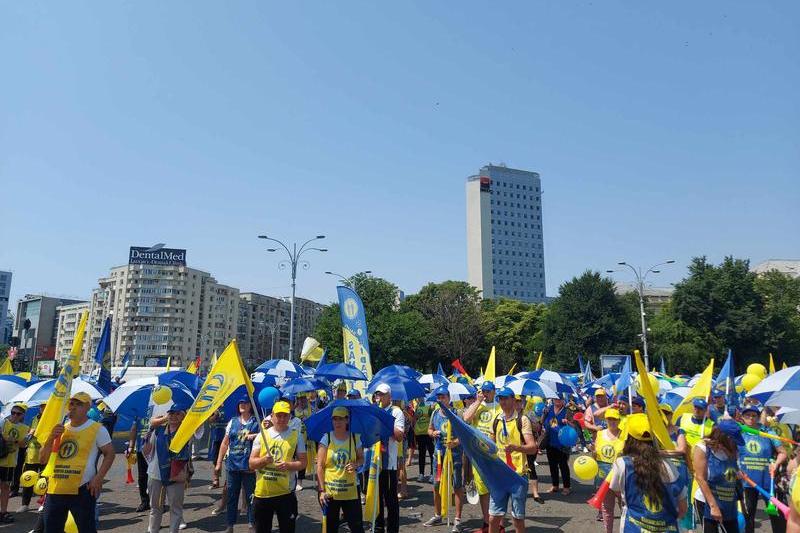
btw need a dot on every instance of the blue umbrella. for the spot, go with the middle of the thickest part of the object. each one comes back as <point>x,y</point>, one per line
<point>191,381</point>
<point>281,368</point>
<point>397,370</point>
<point>131,400</point>
<point>403,388</point>
<point>340,371</point>
<point>298,385</point>
<point>370,421</point>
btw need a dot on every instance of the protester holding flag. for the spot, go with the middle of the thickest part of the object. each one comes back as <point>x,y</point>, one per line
<point>694,426</point>
<point>76,479</point>
<point>481,415</point>
<point>553,419</point>
<point>422,419</point>
<point>236,447</point>
<point>13,432</point>
<point>756,460</point>
<point>339,456</point>
<point>652,490</point>
<point>512,432</point>
<point>388,476</point>
<point>167,471</point>
<point>439,431</point>
<point>714,460</point>
<point>277,455</point>
<point>607,447</point>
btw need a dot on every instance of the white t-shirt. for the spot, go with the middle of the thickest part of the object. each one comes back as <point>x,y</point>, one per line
<point>101,439</point>
<point>399,423</point>
<point>721,455</point>
<point>617,484</point>
<point>273,434</point>
<point>153,471</point>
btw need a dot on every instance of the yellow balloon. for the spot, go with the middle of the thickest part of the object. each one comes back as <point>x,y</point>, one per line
<point>41,486</point>
<point>750,380</point>
<point>536,399</point>
<point>70,526</point>
<point>585,467</point>
<point>161,395</point>
<point>28,478</point>
<point>757,369</point>
<point>739,389</point>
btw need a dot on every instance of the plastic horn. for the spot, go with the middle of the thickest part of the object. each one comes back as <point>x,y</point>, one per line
<point>771,510</point>
<point>782,507</point>
<point>753,431</point>
<point>596,501</point>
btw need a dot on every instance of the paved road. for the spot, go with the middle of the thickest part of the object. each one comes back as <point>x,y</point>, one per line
<point>119,501</point>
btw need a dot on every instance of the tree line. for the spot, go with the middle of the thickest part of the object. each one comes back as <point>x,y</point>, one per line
<point>715,308</point>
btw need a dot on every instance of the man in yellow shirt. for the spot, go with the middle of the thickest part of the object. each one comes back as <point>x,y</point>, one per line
<point>13,432</point>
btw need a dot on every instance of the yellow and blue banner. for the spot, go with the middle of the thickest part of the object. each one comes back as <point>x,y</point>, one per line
<point>354,332</point>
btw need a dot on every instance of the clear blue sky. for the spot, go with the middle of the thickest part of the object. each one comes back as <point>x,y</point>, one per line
<point>661,130</point>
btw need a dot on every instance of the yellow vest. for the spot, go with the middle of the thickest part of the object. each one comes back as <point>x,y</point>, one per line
<point>607,449</point>
<point>272,482</point>
<point>794,493</point>
<point>693,430</point>
<point>339,484</point>
<point>32,454</point>
<point>484,418</point>
<point>71,459</point>
<point>518,459</point>
<point>12,433</point>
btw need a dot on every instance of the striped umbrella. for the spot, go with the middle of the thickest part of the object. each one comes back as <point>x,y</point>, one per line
<point>457,391</point>
<point>531,387</point>
<point>42,390</point>
<point>10,386</point>
<point>780,389</point>
<point>431,381</point>
<point>281,368</point>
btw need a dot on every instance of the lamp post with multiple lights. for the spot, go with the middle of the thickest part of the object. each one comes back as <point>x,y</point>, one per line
<point>294,259</point>
<point>640,279</point>
<point>345,279</point>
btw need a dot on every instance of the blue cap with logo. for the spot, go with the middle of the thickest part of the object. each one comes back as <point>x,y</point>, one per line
<point>700,403</point>
<point>355,393</point>
<point>638,400</point>
<point>731,429</point>
<point>442,391</point>
<point>487,386</point>
<point>505,392</point>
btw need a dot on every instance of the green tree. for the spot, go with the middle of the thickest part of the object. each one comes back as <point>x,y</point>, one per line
<point>781,300</point>
<point>588,319</point>
<point>452,310</point>
<point>328,331</point>
<point>515,329</point>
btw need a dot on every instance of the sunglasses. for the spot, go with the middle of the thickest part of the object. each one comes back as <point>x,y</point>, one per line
<point>341,418</point>
<point>17,413</point>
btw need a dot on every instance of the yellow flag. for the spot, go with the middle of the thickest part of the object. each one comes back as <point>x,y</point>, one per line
<point>57,403</point>
<point>446,479</point>
<point>701,389</point>
<point>214,359</point>
<point>653,413</point>
<point>784,365</point>
<point>192,368</point>
<point>511,372</point>
<point>6,369</point>
<point>227,375</point>
<point>539,362</point>
<point>311,351</point>
<point>169,363</point>
<point>488,374</point>
<point>371,503</point>
<point>771,364</point>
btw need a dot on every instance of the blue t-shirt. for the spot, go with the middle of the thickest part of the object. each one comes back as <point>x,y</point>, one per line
<point>440,423</point>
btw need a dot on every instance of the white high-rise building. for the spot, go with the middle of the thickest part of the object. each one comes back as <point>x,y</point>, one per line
<point>505,245</point>
<point>5,291</point>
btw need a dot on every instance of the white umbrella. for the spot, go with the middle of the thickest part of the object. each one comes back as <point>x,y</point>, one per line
<point>431,381</point>
<point>458,391</point>
<point>10,386</point>
<point>281,368</point>
<point>788,415</point>
<point>504,381</point>
<point>531,387</point>
<point>42,390</point>
<point>779,389</point>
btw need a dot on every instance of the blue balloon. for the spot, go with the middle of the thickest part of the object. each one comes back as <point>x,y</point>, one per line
<point>538,409</point>
<point>267,398</point>
<point>567,436</point>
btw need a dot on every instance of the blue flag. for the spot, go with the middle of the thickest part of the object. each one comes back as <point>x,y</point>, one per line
<point>624,380</point>
<point>495,473</point>
<point>126,362</point>
<point>663,368</point>
<point>581,368</point>
<point>439,370</point>
<point>354,334</point>
<point>725,381</point>
<point>588,377</point>
<point>103,358</point>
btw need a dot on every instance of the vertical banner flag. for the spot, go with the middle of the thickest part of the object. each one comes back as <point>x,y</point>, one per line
<point>653,414</point>
<point>771,365</point>
<point>227,375</point>
<point>701,389</point>
<point>57,403</point>
<point>371,503</point>
<point>489,372</point>
<point>103,358</point>
<point>354,332</point>
<point>126,362</point>
<point>539,362</point>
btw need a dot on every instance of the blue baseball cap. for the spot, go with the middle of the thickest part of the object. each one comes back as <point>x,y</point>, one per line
<point>717,394</point>
<point>179,406</point>
<point>487,386</point>
<point>731,429</point>
<point>354,392</point>
<point>505,392</point>
<point>442,390</point>
<point>700,403</point>
<point>243,399</point>
<point>638,400</point>
<point>751,409</point>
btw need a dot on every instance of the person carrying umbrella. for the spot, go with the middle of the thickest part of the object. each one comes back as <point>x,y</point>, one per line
<point>79,480</point>
<point>277,455</point>
<point>236,446</point>
<point>388,476</point>
<point>439,431</point>
<point>13,432</point>
<point>340,454</point>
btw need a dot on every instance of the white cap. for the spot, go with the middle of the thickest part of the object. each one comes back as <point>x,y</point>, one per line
<point>383,388</point>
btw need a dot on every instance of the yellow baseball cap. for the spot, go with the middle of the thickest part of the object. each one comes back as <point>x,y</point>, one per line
<point>81,397</point>
<point>281,407</point>
<point>665,407</point>
<point>340,411</point>
<point>638,427</point>
<point>600,392</point>
<point>612,413</point>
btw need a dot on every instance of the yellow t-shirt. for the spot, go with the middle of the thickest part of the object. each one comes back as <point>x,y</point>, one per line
<point>12,433</point>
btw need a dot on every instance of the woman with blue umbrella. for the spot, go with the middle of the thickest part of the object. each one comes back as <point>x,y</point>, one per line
<point>340,454</point>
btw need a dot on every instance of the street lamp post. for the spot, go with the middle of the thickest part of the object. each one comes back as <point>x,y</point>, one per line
<point>345,279</point>
<point>640,279</point>
<point>294,259</point>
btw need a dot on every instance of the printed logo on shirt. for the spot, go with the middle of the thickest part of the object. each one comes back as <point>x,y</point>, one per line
<point>754,447</point>
<point>276,452</point>
<point>486,415</point>
<point>730,475</point>
<point>13,434</point>
<point>341,458</point>
<point>68,449</point>
<point>607,451</point>
<point>654,506</point>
